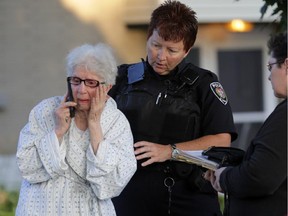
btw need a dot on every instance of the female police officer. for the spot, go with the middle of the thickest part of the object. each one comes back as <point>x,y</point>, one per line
<point>171,104</point>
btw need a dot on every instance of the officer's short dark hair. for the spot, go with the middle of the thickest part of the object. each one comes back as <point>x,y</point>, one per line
<point>174,21</point>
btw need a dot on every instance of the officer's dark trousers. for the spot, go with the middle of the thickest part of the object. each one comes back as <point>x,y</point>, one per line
<point>146,195</point>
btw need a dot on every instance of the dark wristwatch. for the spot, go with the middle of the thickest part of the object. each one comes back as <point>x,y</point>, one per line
<point>175,151</point>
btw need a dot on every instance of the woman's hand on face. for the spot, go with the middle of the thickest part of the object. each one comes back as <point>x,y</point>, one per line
<point>96,108</point>
<point>152,151</point>
<point>62,117</point>
<point>97,104</point>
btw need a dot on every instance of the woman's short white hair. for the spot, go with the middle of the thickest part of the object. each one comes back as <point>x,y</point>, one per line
<point>97,58</point>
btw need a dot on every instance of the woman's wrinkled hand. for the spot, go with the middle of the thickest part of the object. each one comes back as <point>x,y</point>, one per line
<point>97,104</point>
<point>62,117</point>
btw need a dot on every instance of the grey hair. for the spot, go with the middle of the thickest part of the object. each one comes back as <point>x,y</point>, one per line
<point>97,58</point>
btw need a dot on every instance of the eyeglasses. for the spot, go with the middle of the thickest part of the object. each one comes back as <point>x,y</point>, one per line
<point>88,82</point>
<point>269,65</point>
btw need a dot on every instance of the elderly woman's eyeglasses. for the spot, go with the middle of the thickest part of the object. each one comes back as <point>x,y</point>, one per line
<point>88,82</point>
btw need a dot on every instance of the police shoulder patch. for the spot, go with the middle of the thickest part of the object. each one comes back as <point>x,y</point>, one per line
<point>219,92</point>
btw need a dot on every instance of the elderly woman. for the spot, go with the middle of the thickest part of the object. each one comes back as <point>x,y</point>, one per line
<point>75,165</point>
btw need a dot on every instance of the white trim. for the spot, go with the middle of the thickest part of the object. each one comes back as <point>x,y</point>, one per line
<point>225,10</point>
<point>245,117</point>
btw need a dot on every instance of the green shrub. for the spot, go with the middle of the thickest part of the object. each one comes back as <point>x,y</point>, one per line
<point>221,201</point>
<point>8,202</point>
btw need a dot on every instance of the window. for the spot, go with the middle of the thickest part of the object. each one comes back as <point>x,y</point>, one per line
<point>240,72</point>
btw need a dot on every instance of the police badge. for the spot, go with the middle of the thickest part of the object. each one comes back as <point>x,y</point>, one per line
<point>219,92</point>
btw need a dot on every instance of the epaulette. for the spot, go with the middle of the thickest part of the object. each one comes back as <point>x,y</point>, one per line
<point>136,72</point>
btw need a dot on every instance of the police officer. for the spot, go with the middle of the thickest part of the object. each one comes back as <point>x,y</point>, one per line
<point>171,105</point>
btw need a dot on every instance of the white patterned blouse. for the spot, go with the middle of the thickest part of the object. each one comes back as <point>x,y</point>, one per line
<point>67,178</point>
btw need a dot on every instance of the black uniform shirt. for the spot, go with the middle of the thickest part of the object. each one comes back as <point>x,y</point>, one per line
<point>184,105</point>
